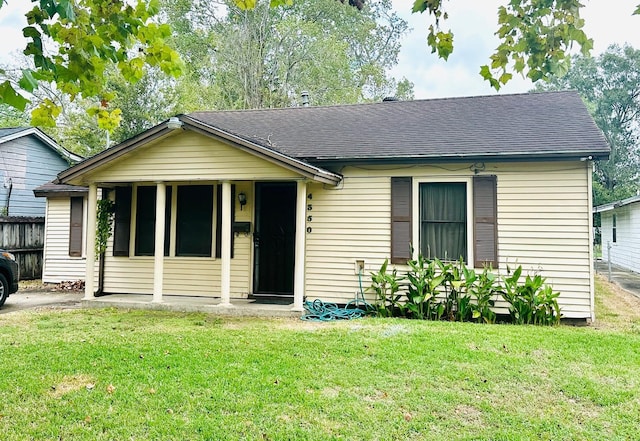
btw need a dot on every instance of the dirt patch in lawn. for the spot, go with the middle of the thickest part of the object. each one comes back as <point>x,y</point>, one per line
<point>71,384</point>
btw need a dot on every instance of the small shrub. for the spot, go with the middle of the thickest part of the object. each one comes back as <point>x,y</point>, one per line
<point>483,288</point>
<point>386,286</point>
<point>437,290</point>
<point>531,302</point>
<point>422,290</point>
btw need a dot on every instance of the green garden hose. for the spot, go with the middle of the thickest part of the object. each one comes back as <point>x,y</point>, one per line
<point>320,311</point>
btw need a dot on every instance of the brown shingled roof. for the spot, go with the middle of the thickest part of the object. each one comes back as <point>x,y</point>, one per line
<point>533,125</point>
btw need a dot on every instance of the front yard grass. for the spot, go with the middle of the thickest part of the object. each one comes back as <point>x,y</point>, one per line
<point>132,375</point>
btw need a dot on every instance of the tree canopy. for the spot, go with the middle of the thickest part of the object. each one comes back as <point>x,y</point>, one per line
<point>73,42</point>
<point>610,86</point>
<point>263,57</point>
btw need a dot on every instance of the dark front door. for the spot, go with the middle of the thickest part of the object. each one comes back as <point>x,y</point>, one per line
<point>274,238</point>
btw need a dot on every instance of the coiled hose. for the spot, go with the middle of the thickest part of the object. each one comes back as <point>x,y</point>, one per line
<point>320,311</point>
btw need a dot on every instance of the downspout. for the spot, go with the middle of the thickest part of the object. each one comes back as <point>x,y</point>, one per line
<point>9,188</point>
<point>100,291</point>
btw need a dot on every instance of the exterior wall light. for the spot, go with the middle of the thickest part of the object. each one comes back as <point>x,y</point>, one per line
<point>242,198</point>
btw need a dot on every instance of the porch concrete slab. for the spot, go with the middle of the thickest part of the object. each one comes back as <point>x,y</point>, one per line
<point>240,307</point>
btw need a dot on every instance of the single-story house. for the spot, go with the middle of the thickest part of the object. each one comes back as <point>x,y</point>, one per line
<point>290,203</point>
<point>619,228</point>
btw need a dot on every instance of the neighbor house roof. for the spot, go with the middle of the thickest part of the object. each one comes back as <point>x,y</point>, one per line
<point>11,133</point>
<point>612,205</point>
<point>534,125</point>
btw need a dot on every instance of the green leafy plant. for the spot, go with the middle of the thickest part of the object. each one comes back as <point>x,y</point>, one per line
<point>422,289</point>
<point>386,286</point>
<point>531,302</point>
<point>483,288</point>
<point>104,224</point>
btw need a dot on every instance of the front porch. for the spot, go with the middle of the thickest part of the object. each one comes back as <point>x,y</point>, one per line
<point>240,308</point>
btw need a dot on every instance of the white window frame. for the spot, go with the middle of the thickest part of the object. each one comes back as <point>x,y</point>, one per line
<point>415,209</point>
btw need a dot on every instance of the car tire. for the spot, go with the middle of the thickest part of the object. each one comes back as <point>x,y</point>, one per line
<point>4,289</point>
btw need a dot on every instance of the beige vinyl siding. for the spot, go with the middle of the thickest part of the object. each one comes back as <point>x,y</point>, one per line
<point>543,225</point>
<point>58,266</point>
<point>188,276</point>
<point>189,157</point>
<point>348,223</point>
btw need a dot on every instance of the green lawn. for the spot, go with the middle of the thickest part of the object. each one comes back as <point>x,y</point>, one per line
<point>115,375</point>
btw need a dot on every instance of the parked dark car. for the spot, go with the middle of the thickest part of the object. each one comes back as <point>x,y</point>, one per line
<point>9,275</point>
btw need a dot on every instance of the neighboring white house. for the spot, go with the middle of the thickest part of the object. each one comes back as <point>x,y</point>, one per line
<point>285,202</point>
<point>620,232</point>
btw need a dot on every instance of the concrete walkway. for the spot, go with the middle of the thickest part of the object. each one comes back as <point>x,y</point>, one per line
<point>40,297</point>
<point>626,279</point>
<point>28,299</point>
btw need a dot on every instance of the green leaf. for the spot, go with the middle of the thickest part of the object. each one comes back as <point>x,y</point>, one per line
<point>65,10</point>
<point>505,77</point>
<point>31,32</point>
<point>276,3</point>
<point>9,96</point>
<point>485,72</point>
<point>444,44</point>
<point>28,82</point>
<point>45,114</point>
<point>637,11</point>
<point>245,4</point>
<point>419,6</point>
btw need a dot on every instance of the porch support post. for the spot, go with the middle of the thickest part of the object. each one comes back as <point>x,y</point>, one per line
<point>158,253</point>
<point>301,234</point>
<point>225,264</point>
<point>92,209</point>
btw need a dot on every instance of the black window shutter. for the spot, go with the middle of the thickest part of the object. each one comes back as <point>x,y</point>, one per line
<point>75,228</point>
<point>401,219</point>
<point>485,221</point>
<point>145,240</point>
<point>219,219</point>
<point>122,222</point>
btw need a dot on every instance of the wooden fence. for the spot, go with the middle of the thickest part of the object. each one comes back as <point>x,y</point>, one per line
<point>24,237</point>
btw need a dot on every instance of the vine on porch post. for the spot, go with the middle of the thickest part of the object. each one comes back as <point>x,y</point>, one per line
<point>104,224</point>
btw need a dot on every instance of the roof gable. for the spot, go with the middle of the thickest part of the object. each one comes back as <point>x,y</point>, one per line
<point>12,133</point>
<point>176,126</point>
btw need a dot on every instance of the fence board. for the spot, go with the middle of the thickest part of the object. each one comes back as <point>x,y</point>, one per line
<point>24,237</point>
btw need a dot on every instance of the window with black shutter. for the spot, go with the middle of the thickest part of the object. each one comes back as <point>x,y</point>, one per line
<point>485,223</point>
<point>75,228</point>
<point>443,220</point>
<point>401,219</point>
<point>122,222</point>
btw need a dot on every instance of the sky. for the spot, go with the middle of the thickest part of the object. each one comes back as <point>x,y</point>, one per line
<point>473,23</point>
